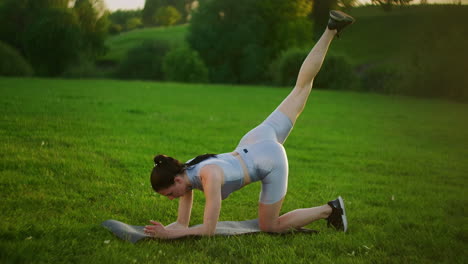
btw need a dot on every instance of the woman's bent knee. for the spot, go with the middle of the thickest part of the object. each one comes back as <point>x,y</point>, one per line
<point>270,227</point>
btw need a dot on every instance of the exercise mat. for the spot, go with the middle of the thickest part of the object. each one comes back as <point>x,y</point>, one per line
<point>134,234</point>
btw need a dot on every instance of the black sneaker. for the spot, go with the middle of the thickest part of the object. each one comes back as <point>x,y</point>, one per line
<point>337,218</point>
<point>339,20</point>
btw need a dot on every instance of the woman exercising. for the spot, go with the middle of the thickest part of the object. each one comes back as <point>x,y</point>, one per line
<point>260,156</point>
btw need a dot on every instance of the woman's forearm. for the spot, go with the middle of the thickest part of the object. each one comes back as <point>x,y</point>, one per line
<point>201,230</point>
<point>176,225</point>
<point>185,209</point>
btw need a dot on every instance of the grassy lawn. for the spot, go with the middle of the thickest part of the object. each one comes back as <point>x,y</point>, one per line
<point>76,153</point>
<point>120,44</point>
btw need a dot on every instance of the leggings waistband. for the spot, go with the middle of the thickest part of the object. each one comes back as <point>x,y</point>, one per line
<point>247,179</point>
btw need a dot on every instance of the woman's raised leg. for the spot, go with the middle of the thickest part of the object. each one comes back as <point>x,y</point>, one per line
<point>293,105</point>
<point>295,102</point>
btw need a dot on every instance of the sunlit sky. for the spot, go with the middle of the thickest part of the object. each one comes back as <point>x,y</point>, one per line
<point>136,4</point>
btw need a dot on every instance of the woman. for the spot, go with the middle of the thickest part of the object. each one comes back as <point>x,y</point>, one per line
<point>260,156</point>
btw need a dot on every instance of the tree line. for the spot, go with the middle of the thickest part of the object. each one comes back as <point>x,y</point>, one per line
<point>52,34</point>
<point>228,41</point>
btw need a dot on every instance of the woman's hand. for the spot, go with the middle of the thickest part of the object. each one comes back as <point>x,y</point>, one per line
<point>157,230</point>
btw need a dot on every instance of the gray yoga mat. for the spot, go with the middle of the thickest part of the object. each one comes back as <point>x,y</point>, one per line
<point>134,234</point>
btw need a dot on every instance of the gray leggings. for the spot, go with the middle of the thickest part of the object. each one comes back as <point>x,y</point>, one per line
<point>265,157</point>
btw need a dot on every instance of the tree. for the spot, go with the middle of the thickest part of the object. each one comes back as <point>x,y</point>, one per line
<point>94,24</point>
<point>238,39</point>
<point>12,63</point>
<point>149,11</point>
<point>347,4</point>
<point>167,16</point>
<point>53,42</point>
<point>17,15</point>
<point>133,23</point>
<point>184,7</point>
<point>123,20</point>
<point>388,4</point>
<point>50,34</point>
<point>320,15</point>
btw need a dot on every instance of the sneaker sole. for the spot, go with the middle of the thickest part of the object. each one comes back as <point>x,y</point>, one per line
<point>343,216</point>
<point>341,16</point>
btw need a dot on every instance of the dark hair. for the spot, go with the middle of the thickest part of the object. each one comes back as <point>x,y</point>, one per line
<point>166,168</point>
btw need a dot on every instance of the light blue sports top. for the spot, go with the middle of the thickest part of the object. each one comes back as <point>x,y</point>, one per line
<point>233,173</point>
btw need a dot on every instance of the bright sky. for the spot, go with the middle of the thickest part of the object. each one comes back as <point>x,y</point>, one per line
<point>124,4</point>
<point>136,4</point>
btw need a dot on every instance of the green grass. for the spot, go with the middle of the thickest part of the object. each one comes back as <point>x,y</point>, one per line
<point>76,153</point>
<point>120,44</point>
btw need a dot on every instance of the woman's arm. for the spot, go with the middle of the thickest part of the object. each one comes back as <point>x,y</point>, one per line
<point>183,215</point>
<point>212,179</point>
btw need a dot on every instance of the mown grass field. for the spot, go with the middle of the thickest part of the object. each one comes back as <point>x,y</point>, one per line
<point>120,44</point>
<point>76,153</point>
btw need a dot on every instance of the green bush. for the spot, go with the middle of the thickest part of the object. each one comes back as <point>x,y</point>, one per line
<point>184,65</point>
<point>124,20</point>
<point>53,42</point>
<point>85,69</point>
<point>115,29</point>
<point>167,16</point>
<point>438,64</point>
<point>144,62</point>
<point>337,74</point>
<point>285,69</point>
<point>238,39</point>
<point>133,23</point>
<point>12,63</point>
<point>382,79</point>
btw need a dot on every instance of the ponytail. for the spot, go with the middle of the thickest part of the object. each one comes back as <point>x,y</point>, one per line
<point>167,168</point>
<point>199,159</point>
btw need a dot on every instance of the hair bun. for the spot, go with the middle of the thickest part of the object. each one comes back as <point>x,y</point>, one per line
<point>159,159</point>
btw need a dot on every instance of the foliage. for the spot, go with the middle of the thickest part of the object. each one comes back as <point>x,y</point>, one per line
<point>94,24</point>
<point>15,16</point>
<point>133,23</point>
<point>167,16</point>
<point>238,39</point>
<point>382,79</point>
<point>184,65</point>
<point>12,62</point>
<point>443,72</point>
<point>80,30</point>
<point>125,20</point>
<point>53,42</point>
<point>320,15</point>
<point>144,62</point>
<point>184,7</point>
<point>347,4</point>
<point>115,29</point>
<point>285,68</point>
<point>388,4</point>
<point>120,44</point>
<point>85,68</point>
<point>337,73</point>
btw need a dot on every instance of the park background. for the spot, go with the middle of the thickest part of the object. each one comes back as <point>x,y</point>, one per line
<point>90,95</point>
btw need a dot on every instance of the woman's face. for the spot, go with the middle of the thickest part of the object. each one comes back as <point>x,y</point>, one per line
<point>176,190</point>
